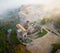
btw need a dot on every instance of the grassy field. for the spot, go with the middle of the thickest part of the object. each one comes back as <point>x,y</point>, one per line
<point>40,34</point>
<point>55,47</point>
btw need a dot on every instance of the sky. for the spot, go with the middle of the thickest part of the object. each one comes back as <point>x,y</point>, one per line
<point>8,4</point>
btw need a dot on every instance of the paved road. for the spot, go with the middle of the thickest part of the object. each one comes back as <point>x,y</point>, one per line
<point>50,26</point>
<point>43,45</point>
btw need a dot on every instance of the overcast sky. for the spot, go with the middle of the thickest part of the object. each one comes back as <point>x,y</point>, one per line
<point>7,4</point>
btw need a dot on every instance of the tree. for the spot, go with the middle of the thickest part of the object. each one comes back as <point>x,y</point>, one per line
<point>44,21</point>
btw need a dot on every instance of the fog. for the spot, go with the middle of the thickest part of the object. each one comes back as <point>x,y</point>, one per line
<point>7,4</point>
